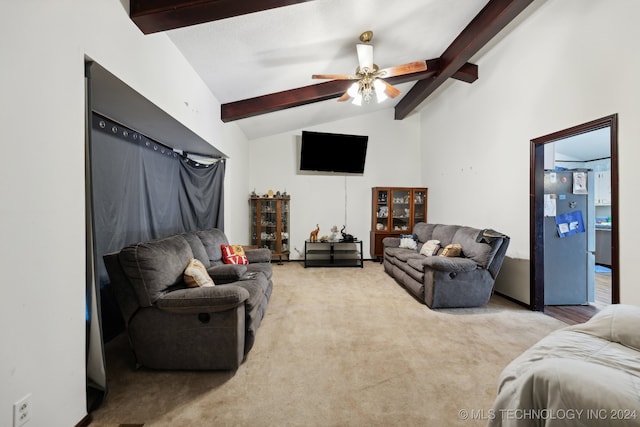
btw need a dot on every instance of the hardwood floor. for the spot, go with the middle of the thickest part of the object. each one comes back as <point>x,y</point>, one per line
<point>573,314</point>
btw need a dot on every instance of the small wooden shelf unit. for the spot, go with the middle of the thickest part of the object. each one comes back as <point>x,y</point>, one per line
<point>333,254</point>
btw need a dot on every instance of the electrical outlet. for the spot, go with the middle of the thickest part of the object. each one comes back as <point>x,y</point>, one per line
<point>22,411</point>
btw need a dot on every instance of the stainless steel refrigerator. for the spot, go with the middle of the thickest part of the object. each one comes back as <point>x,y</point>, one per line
<point>569,237</point>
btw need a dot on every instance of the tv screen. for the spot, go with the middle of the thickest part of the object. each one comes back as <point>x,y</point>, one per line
<point>332,152</point>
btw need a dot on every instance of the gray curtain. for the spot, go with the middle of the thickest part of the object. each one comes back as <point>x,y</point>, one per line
<point>143,190</point>
<point>139,190</point>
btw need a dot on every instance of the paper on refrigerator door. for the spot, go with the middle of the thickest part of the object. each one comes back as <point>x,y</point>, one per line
<point>549,205</point>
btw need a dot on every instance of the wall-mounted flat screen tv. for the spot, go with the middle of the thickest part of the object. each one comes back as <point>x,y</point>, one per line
<point>332,152</point>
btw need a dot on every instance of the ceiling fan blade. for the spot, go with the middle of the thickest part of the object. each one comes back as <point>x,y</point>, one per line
<point>334,76</point>
<point>399,70</point>
<point>390,90</point>
<point>365,55</point>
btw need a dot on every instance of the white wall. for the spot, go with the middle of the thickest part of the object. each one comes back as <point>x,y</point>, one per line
<point>569,62</point>
<point>236,183</point>
<point>392,160</point>
<point>42,227</point>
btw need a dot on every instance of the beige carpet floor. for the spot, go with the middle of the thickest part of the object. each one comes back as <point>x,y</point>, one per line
<point>337,347</point>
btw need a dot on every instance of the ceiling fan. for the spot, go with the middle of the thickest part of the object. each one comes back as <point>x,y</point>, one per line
<point>368,77</point>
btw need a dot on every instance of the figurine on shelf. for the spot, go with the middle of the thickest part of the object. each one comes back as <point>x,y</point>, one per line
<point>313,236</point>
<point>333,237</point>
<point>346,237</point>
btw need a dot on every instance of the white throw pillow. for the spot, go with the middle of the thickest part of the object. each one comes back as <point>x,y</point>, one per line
<point>195,275</point>
<point>408,243</point>
<point>430,248</point>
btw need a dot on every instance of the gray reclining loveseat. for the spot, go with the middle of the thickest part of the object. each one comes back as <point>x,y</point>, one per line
<point>172,326</point>
<point>463,281</point>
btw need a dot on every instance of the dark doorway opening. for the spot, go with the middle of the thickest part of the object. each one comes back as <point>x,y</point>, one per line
<point>537,272</point>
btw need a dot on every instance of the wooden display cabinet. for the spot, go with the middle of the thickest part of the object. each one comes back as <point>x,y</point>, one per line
<point>394,211</point>
<point>270,224</point>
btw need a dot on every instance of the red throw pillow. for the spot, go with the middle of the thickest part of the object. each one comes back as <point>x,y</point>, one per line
<point>231,256</point>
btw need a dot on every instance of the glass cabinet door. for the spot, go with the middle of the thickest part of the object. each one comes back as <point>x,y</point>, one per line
<point>382,215</point>
<point>254,222</point>
<point>401,220</point>
<point>284,232</point>
<point>268,223</point>
<point>419,207</point>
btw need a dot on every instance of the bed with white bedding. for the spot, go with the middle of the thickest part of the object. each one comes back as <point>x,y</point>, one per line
<point>582,375</point>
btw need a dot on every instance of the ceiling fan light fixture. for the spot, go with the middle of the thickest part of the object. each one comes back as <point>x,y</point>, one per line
<point>368,83</point>
<point>365,56</point>
<point>379,89</point>
<point>354,89</point>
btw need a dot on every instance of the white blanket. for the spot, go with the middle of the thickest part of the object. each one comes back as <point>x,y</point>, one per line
<point>582,375</point>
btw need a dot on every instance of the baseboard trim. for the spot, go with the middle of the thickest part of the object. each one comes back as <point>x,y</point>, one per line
<point>85,421</point>
<point>513,300</point>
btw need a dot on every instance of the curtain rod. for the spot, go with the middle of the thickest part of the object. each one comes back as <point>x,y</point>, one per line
<point>182,153</point>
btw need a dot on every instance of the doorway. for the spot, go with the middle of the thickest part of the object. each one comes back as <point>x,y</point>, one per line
<point>537,271</point>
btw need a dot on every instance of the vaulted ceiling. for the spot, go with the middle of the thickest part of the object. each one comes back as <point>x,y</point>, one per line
<point>257,57</point>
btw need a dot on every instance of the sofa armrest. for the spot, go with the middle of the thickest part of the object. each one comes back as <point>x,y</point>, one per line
<point>450,264</point>
<point>203,300</point>
<point>258,255</point>
<point>496,263</point>
<point>391,242</point>
<point>226,273</point>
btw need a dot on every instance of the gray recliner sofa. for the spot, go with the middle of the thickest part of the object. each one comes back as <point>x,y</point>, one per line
<point>172,326</point>
<point>443,282</point>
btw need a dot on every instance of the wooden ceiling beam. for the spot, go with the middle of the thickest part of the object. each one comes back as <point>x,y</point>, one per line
<point>323,91</point>
<point>496,15</point>
<point>152,16</point>
<point>282,100</point>
<point>468,73</point>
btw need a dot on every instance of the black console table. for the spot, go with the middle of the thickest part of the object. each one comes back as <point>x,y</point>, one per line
<point>333,254</point>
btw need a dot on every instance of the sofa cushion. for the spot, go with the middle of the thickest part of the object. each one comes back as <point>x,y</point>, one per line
<point>402,254</point>
<point>212,239</point>
<point>481,253</point>
<point>445,234</point>
<point>256,285</point>
<point>226,273</point>
<point>195,275</point>
<point>258,255</point>
<point>155,267</point>
<point>416,263</point>
<point>203,300</point>
<point>424,231</point>
<point>197,247</point>
<point>260,267</point>
<point>390,242</point>
<point>449,264</point>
